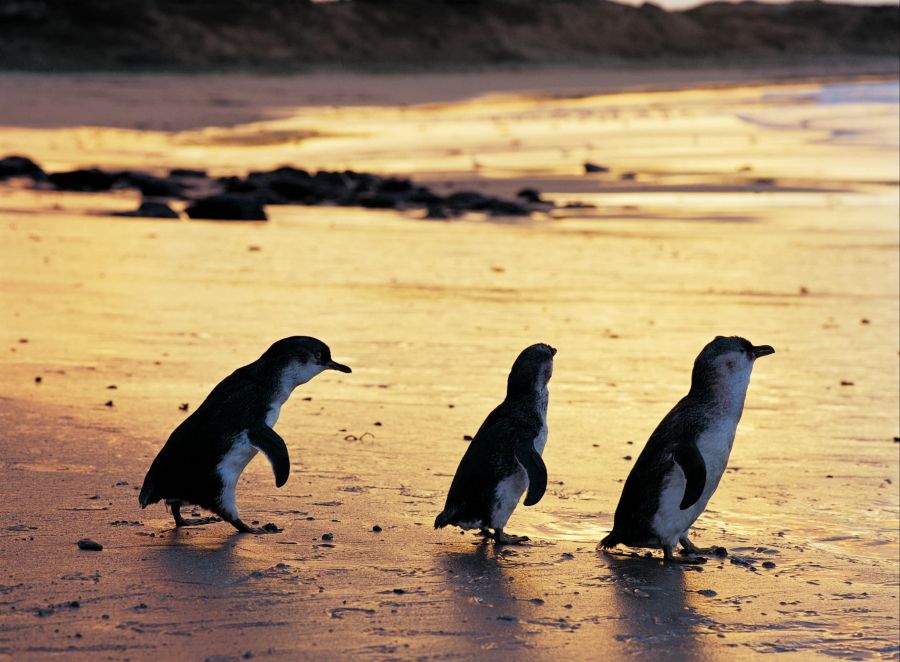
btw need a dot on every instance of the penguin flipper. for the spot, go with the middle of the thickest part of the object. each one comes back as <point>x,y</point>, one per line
<point>533,463</point>
<point>270,442</point>
<point>691,462</point>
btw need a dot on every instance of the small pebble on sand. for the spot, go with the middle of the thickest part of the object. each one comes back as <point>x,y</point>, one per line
<point>109,403</point>
<point>376,529</point>
<point>89,545</point>
<point>327,536</point>
<point>768,564</point>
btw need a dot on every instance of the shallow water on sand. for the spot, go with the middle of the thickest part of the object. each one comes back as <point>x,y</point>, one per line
<point>430,316</point>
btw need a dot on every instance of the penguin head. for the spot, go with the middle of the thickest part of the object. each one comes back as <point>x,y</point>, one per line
<point>300,358</point>
<point>531,370</point>
<point>727,362</point>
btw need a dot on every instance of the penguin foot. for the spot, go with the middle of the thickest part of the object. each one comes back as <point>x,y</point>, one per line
<point>255,530</point>
<point>501,538</point>
<point>198,521</point>
<point>670,558</point>
<point>690,548</point>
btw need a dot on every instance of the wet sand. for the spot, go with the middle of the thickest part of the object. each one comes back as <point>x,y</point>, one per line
<point>760,211</point>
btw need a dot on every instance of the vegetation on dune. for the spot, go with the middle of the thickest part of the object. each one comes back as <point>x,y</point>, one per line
<point>419,34</point>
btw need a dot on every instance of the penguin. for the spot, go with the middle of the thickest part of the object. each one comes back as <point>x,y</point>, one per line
<point>684,459</point>
<point>201,462</point>
<point>504,460</point>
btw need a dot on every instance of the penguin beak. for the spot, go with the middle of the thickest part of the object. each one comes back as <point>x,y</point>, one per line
<point>340,367</point>
<point>762,350</point>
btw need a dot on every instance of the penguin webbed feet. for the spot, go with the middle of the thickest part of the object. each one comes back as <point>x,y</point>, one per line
<point>242,527</point>
<point>194,521</point>
<point>502,538</point>
<point>690,548</point>
<point>198,521</point>
<point>669,557</point>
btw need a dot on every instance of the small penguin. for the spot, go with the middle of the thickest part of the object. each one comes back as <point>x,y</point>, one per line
<point>201,462</point>
<point>684,459</point>
<point>504,458</point>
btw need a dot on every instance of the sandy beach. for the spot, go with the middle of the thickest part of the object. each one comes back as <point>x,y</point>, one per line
<point>768,211</point>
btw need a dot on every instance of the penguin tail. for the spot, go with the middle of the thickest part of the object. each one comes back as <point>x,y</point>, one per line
<point>147,495</point>
<point>610,540</point>
<point>443,519</point>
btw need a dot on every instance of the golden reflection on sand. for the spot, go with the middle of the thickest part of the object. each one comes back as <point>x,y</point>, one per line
<point>786,235</point>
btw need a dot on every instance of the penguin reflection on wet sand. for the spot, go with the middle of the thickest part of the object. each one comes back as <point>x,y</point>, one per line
<point>201,462</point>
<point>503,460</point>
<point>684,459</point>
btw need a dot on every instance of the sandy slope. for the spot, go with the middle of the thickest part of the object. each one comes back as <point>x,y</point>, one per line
<point>430,316</point>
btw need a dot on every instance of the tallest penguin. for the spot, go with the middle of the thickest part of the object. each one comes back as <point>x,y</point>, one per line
<point>684,459</point>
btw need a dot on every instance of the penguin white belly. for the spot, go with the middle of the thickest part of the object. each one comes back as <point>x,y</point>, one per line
<point>540,441</point>
<point>230,468</point>
<point>671,522</point>
<point>507,495</point>
<point>272,415</point>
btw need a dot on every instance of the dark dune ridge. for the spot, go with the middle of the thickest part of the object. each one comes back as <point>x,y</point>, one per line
<point>423,34</point>
<point>245,198</point>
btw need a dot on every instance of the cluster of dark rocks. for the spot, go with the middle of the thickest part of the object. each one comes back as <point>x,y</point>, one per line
<point>245,198</point>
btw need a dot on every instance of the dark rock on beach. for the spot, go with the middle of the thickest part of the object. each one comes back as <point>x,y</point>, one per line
<point>149,185</point>
<point>90,180</point>
<point>150,209</point>
<point>530,195</point>
<point>20,166</point>
<point>244,198</point>
<point>187,173</point>
<point>593,167</point>
<point>227,208</point>
<point>89,545</point>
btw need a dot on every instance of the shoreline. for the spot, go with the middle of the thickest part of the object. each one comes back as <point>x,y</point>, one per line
<point>161,101</point>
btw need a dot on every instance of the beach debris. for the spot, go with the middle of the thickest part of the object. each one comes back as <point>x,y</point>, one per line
<point>720,551</point>
<point>226,207</point>
<point>467,437</point>
<point>184,406</point>
<point>150,209</point>
<point>593,167</point>
<point>628,176</point>
<point>271,528</point>
<point>338,612</point>
<point>846,382</point>
<point>707,592</point>
<point>89,545</point>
